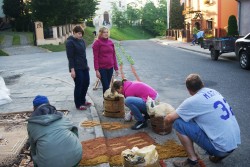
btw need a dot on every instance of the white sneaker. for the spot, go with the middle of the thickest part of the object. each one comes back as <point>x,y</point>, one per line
<point>128,117</point>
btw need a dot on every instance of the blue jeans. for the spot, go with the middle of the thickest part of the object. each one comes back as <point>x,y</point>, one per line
<point>194,40</point>
<point>197,135</point>
<point>106,76</point>
<point>137,107</point>
<point>81,80</point>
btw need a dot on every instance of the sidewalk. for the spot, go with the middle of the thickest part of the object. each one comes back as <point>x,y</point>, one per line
<point>182,45</point>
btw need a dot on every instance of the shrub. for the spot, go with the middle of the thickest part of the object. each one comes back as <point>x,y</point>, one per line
<point>232,26</point>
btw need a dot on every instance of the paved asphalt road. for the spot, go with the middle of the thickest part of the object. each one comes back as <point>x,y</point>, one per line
<point>164,68</point>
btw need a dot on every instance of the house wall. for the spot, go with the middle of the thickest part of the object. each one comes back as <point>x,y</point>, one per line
<point>244,21</point>
<point>228,8</point>
<point>210,12</point>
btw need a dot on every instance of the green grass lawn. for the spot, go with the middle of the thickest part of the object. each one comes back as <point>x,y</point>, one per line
<point>30,38</point>
<point>129,33</point>
<point>16,39</point>
<point>2,53</point>
<point>54,48</point>
<point>88,35</point>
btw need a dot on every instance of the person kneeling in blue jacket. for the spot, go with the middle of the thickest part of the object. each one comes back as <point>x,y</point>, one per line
<point>53,138</point>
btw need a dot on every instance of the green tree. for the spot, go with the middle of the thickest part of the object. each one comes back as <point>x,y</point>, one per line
<point>149,17</point>
<point>176,19</point>
<point>161,22</point>
<point>57,12</point>
<point>12,8</point>
<point>133,15</point>
<point>118,17</point>
<point>232,26</point>
<point>18,11</point>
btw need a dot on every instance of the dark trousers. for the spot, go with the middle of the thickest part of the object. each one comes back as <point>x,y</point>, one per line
<point>81,87</point>
<point>194,40</point>
<point>106,76</point>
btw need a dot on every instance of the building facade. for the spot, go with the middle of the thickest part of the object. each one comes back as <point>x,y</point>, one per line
<point>243,17</point>
<point>209,15</point>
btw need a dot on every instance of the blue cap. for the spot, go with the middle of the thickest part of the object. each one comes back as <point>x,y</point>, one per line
<point>40,100</point>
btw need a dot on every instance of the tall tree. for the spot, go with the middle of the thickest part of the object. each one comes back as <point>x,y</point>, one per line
<point>57,12</point>
<point>176,18</point>
<point>149,17</point>
<point>161,22</point>
<point>18,11</point>
<point>133,15</point>
<point>118,17</point>
<point>12,8</point>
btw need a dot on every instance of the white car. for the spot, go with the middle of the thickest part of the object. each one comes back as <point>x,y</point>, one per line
<point>242,51</point>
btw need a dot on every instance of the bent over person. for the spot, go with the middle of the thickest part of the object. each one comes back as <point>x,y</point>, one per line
<point>206,119</point>
<point>136,94</point>
<point>53,138</point>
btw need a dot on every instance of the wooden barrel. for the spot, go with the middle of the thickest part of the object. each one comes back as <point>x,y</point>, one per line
<point>114,107</point>
<point>159,126</point>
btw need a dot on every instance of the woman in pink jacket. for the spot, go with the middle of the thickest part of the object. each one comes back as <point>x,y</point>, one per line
<point>136,94</point>
<point>104,58</point>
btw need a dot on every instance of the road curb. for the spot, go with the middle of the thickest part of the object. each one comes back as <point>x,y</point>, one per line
<point>193,50</point>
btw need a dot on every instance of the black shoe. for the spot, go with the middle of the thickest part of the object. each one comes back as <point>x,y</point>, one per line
<point>186,163</point>
<point>139,125</point>
<point>146,117</point>
<point>215,159</point>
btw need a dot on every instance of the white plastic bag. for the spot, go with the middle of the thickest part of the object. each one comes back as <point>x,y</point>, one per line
<point>150,103</point>
<point>148,153</point>
<point>4,93</point>
<point>158,109</point>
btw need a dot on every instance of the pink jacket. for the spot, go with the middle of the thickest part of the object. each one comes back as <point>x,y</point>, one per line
<point>138,89</point>
<point>104,54</point>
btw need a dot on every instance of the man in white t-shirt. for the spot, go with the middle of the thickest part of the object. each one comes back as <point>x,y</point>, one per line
<point>206,119</point>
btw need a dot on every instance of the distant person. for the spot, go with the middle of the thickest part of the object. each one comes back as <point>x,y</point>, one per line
<point>94,32</point>
<point>200,36</point>
<point>78,67</point>
<point>195,31</point>
<point>104,58</point>
<point>136,94</point>
<point>52,136</point>
<point>206,119</point>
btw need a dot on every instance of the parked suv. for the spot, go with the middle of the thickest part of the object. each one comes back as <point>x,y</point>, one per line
<point>242,51</point>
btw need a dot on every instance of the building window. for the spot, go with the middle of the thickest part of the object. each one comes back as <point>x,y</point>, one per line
<point>209,24</point>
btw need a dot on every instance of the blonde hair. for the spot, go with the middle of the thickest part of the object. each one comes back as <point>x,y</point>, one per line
<point>101,31</point>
